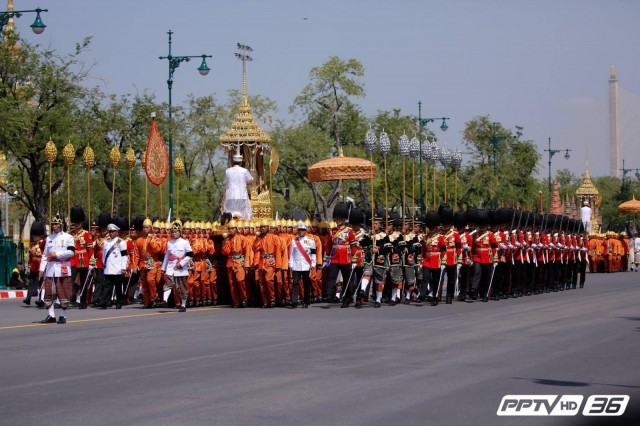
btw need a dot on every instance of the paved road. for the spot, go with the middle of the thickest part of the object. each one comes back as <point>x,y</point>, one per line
<point>445,365</point>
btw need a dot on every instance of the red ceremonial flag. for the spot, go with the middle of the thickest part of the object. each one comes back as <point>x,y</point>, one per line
<point>156,157</point>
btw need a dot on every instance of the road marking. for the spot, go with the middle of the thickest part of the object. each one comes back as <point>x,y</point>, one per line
<point>11,327</point>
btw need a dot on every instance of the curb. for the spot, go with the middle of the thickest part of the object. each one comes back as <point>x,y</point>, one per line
<point>13,294</point>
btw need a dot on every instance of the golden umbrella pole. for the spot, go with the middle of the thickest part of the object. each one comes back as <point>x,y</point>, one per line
<point>178,169</point>
<point>89,160</point>
<point>130,161</point>
<point>69,154</point>
<point>146,184</point>
<point>50,153</point>
<point>114,158</point>
<point>160,200</point>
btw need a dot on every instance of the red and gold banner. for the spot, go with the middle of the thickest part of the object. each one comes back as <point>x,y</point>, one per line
<point>156,157</point>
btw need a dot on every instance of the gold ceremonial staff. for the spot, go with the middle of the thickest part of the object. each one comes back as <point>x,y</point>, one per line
<point>89,160</point>
<point>69,154</point>
<point>50,153</point>
<point>114,158</point>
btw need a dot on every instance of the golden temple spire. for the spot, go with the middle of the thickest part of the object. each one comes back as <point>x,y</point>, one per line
<point>10,25</point>
<point>244,57</point>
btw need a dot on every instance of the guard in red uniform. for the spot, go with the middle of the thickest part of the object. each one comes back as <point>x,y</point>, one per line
<point>80,261</point>
<point>453,253</point>
<point>341,257</point>
<point>434,250</point>
<point>483,258</point>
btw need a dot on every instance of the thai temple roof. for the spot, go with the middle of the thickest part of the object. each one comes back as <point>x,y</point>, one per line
<point>587,187</point>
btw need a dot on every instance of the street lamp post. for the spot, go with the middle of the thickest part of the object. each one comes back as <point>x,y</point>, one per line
<point>38,26</point>
<point>174,62</point>
<point>625,171</point>
<point>553,152</point>
<point>422,122</point>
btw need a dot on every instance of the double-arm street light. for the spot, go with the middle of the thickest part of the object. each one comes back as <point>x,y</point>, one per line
<point>625,171</point>
<point>423,122</point>
<point>174,62</point>
<point>553,152</point>
<point>38,26</point>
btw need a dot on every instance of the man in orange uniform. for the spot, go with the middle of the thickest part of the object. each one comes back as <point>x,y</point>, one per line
<point>144,263</point>
<point>156,247</point>
<point>250,276</point>
<point>236,249</point>
<point>267,255</point>
<point>453,253</point>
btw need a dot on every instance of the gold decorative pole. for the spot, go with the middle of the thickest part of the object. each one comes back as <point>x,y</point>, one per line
<point>50,153</point>
<point>89,160</point>
<point>114,159</point>
<point>146,184</point>
<point>130,160</point>
<point>455,188</point>
<point>413,194</point>
<point>426,186</point>
<point>178,170</point>
<point>434,186</point>
<point>404,193</point>
<point>385,148</point>
<point>445,185</point>
<point>69,154</point>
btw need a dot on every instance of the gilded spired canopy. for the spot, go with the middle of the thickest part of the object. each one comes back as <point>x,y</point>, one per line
<point>156,157</point>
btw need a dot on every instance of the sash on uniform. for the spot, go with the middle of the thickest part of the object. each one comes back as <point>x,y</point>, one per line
<point>303,251</point>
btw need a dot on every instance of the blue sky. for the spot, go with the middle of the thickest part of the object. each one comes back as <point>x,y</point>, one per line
<point>543,65</point>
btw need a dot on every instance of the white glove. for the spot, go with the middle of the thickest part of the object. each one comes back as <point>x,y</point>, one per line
<point>458,267</point>
<point>518,244</point>
<point>465,246</point>
<point>495,264</point>
<point>353,266</point>
<point>552,246</point>
<point>534,246</point>
<point>510,246</point>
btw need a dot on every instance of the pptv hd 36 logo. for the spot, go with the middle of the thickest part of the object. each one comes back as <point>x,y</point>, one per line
<point>562,405</point>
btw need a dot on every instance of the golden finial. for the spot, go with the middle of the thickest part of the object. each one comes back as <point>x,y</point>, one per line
<point>50,151</point>
<point>114,157</point>
<point>144,159</point>
<point>88,158</point>
<point>178,166</point>
<point>130,158</point>
<point>68,153</point>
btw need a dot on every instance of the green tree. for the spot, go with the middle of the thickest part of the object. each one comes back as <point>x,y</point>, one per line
<point>41,96</point>
<point>517,162</point>
<point>326,104</point>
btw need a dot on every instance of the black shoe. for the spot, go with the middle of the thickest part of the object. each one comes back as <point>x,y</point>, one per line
<point>434,301</point>
<point>26,301</point>
<point>214,303</point>
<point>83,306</point>
<point>40,304</point>
<point>119,306</point>
<point>182,309</point>
<point>305,306</point>
<point>485,299</point>
<point>449,300</point>
<point>406,301</point>
<point>244,304</point>
<point>272,304</point>
<point>376,304</point>
<point>392,302</point>
<point>48,320</point>
<point>62,320</point>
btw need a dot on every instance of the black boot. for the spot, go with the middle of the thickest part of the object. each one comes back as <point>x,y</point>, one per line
<point>449,300</point>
